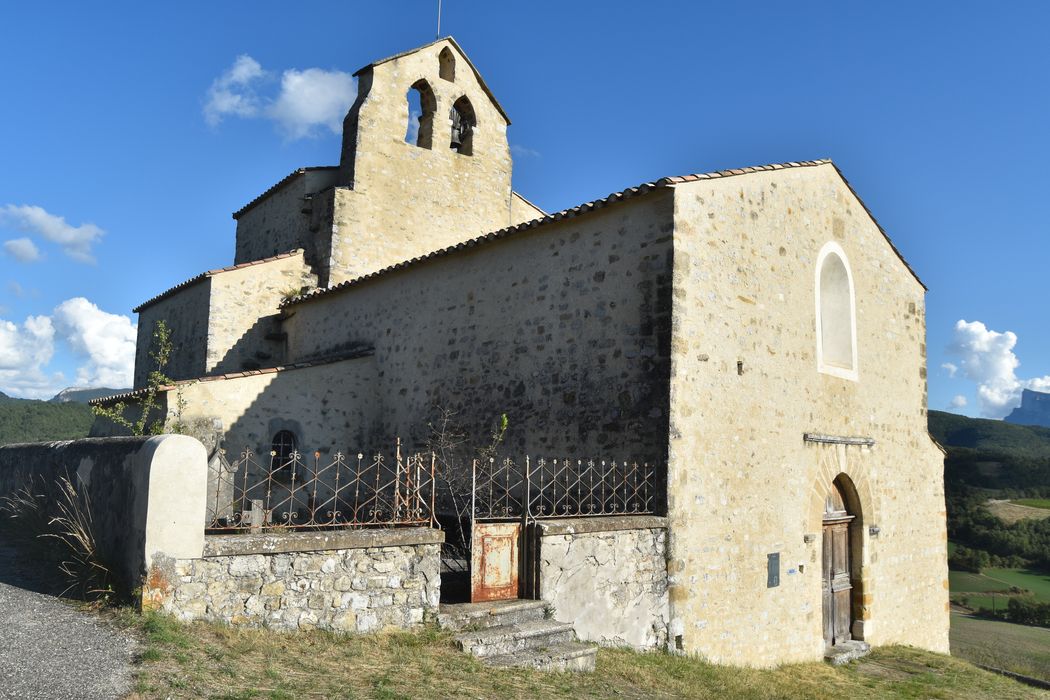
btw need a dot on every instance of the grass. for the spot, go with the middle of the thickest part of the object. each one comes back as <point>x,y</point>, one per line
<point>1033,502</point>
<point>201,660</point>
<point>1036,581</point>
<point>965,582</point>
<point>1016,648</point>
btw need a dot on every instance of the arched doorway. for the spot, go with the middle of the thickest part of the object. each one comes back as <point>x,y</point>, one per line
<point>838,560</point>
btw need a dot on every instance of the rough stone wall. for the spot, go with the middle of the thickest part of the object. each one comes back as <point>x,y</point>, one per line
<point>572,346</point>
<point>186,314</point>
<point>281,220</point>
<point>402,200</point>
<point>331,407</point>
<point>243,311</point>
<point>608,576</point>
<point>744,389</point>
<point>376,579</point>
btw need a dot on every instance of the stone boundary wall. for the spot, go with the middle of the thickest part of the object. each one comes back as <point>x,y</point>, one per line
<point>347,581</point>
<point>608,576</point>
<point>147,494</point>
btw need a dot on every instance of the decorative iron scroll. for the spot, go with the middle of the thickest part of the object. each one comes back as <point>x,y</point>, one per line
<point>569,488</point>
<point>255,493</point>
<point>561,488</point>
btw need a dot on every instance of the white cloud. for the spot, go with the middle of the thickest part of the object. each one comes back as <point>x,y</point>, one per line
<point>987,358</point>
<point>76,241</point>
<point>24,353</point>
<point>958,401</point>
<point>106,340</point>
<point>950,369</point>
<point>233,92</point>
<point>524,151</point>
<point>312,98</point>
<point>307,100</point>
<point>22,249</point>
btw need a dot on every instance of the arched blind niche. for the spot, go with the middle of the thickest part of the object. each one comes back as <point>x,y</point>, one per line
<point>836,314</point>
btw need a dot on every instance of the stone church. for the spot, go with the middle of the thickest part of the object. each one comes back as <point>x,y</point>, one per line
<point>754,331</point>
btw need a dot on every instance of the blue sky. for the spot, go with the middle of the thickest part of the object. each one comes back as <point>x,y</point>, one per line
<point>936,112</point>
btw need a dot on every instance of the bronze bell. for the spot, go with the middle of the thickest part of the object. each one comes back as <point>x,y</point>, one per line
<point>457,137</point>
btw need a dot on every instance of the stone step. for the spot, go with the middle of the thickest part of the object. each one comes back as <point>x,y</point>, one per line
<point>509,639</point>
<point>844,652</point>
<point>475,616</point>
<point>567,656</point>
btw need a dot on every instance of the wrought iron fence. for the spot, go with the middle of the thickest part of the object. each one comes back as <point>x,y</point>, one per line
<point>569,488</point>
<point>561,488</point>
<point>255,493</point>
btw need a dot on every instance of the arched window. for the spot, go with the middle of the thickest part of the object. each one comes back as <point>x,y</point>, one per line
<point>836,314</point>
<point>421,108</point>
<point>447,65</point>
<point>282,454</point>
<point>463,124</point>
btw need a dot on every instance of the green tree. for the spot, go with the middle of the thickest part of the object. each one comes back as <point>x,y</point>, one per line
<point>160,354</point>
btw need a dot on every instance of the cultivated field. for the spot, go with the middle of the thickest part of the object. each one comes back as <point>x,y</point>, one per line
<point>1023,509</point>
<point>1016,648</point>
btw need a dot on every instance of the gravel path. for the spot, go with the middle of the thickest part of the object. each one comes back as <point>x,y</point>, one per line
<point>48,648</point>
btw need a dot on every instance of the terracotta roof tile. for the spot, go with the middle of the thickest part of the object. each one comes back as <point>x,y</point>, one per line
<point>211,273</point>
<point>349,355</point>
<point>587,207</point>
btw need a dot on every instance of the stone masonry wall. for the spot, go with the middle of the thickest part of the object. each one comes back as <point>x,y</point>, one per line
<point>608,576</point>
<point>281,220</point>
<point>401,200</point>
<point>330,408</point>
<point>243,312</point>
<point>186,315</point>
<point>745,386</point>
<point>354,581</point>
<point>572,347</point>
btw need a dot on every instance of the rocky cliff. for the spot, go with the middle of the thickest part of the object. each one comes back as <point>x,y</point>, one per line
<point>1034,409</point>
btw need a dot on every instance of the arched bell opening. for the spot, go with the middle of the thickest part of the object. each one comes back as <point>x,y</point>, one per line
<point>842,581</point>
<point>421,107</point>
<point>463,122</point>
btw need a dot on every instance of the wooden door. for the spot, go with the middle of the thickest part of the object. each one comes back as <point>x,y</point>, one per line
<point>494,561</point>
<point>836,586</point>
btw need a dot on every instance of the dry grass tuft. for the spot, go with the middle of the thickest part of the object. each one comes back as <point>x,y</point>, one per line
<point>26,518</point>
<point>201,660</point>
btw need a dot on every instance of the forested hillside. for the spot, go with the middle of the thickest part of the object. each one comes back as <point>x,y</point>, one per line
<point>23,420</point>
<point>992,459</point>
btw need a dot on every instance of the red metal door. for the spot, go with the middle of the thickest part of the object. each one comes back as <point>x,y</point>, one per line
<point>494,551</point>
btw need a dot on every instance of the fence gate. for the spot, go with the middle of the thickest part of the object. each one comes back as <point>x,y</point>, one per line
<point>509,498</point>
<point>498,508</point>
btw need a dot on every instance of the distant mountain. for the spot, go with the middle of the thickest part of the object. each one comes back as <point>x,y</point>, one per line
<point>4,397</point>
<point>1005,439</point>
<point>1034,409</point>
<point>77,394</point>
<point>991,454</point>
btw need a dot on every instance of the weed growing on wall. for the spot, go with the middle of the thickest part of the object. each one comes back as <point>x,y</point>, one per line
<point>145,423</point>
<point>453,457</point>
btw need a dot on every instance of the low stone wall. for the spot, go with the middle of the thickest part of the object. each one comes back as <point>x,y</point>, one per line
<point>146,494</point>
<point>607,576</point>
<point>350,581</point>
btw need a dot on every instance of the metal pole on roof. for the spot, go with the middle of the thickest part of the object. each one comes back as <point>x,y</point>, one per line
<point>439,21</point>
